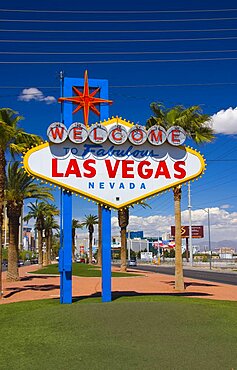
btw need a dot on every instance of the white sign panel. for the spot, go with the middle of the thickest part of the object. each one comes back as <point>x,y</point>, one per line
<point>146,256</point>
<point>113,174</point>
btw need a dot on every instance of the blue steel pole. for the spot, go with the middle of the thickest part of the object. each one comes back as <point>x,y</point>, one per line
<point>67,248</point>
<point>61,210</point>
<point>106,219</point>
<point>106,255</point>
<point>65,264</point>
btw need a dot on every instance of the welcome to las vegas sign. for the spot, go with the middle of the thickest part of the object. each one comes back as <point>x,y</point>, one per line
<point>114,163</point>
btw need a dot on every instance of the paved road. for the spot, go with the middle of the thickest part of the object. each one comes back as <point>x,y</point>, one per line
<point>217,277</point>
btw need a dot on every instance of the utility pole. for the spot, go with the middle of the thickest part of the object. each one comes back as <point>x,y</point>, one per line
<point>190,225</point>
<point>209,235</point>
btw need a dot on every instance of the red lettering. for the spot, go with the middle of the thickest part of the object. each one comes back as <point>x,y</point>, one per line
<point>156,136</point>
<point>144,173</point>
<point>55,172</point>
<point>126,169</point>
<point>178,168</point>
<point>77,133</point>
<point>111,171</point>
<point>87,167</point>
<point>57,132</point>
<point>96,138</point>
<point>175,136</point>
<point>162,170</point>
<point>137,135</point>
<point>73,169</point>
<point>117,134</point>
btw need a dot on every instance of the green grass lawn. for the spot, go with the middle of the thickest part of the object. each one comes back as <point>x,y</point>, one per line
<point>81,269</point>
<point>140,333</point>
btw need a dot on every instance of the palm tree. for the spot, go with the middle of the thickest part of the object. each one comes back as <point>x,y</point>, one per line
<point>15,140</point>
<point>19,186</point>
<point>123,220</point>
<point>75,225</point>
<point>197,127</point>
<point>37,212</point>
<point>50,224</point>
<point>89,221</point>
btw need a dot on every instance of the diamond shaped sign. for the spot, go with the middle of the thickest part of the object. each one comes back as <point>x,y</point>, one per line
<point>117,164</point>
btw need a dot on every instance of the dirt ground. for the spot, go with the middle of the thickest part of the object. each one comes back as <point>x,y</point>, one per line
<point>32,287</point>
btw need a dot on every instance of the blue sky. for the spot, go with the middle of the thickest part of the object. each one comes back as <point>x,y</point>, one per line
<point>135,84</point>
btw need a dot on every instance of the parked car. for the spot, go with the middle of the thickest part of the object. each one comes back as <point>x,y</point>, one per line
<point>4,262</point>
<point>20,263</point>
<point>132,261</point>
<point>34,261</point>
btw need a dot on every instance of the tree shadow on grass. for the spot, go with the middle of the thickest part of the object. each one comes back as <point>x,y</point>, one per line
<point>120,294</point>
<point>189,283</point>
<point>43,288</point>
<point>28,278</point>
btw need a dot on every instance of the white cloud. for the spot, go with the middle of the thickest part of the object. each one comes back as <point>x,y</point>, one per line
<point>225,121</point>
<point>223,223</point>
<point>35,94</point>
<point>225,206</point>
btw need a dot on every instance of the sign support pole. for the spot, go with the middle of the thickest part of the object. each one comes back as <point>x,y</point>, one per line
<point>106,216</point>
<point>65,257</point>
<point>106,254</point>
<point>65,253</point>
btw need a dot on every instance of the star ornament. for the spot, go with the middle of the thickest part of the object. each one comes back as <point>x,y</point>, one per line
<point>85,100</point>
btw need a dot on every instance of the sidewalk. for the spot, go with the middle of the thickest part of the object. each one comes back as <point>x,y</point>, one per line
<point>32,287</point>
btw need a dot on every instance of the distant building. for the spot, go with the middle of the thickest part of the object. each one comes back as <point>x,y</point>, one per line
<point>135,235</point>
<point>226,253</point>
<point>28,239</point>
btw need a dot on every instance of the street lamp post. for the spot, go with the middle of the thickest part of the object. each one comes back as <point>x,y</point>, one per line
<point>209,235</point>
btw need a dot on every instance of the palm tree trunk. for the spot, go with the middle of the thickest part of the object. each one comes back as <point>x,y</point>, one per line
<point>90,247</point>
<point>14,217</point>
<point>50,245</point>
<point>99,255</point>
<point>1,222</point>
<point>40,249</point>
<point>123,266</point>
<point>73,244</point>
<point>47,249</point>
<point>179,280</point>
<point>2,187</point>
<point>123,220</point>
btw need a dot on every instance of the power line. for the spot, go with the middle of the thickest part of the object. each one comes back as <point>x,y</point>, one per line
<point>175,85</point>
<point>118,11</point>
<point>125,40</point>
<point>120,31</point>
<point>118,20</point>
<point>138,86</point>
<point>117,52</point>
<point>118,61</point>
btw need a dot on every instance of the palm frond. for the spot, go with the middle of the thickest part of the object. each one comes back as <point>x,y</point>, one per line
<point>19,186</point>
<point>192,120</point>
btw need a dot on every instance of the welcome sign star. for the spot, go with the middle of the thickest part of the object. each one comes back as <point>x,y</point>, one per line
<point>85,100</point>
